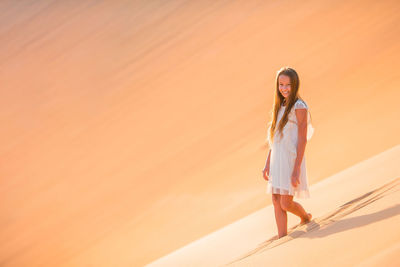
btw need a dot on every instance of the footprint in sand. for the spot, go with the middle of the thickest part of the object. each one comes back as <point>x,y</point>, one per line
<point>325,220</point>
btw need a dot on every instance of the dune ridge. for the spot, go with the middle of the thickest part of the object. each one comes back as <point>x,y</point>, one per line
<point>345,204</point>
<point>329,218</point>
<point>134,128</point>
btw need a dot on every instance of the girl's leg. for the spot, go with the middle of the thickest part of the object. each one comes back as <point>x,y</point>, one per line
<point>280,215</point>
<point>288,204</point>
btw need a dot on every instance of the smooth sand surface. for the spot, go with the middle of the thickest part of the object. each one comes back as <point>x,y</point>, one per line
<point>355,219</point>
<point>133,128</point>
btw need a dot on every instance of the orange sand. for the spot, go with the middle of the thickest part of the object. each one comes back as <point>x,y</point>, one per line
<point>133,128</point>
<point>355,221</point>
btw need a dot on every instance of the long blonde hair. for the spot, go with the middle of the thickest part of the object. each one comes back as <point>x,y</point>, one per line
<point>279,99</point>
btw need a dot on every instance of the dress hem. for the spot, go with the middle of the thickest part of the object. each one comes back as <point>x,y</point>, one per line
<point>298,193</point>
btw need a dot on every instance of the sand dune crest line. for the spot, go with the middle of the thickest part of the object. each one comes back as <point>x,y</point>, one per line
<point>327,219</point>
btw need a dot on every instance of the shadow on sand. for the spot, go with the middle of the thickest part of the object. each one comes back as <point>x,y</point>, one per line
<point>322,226</point>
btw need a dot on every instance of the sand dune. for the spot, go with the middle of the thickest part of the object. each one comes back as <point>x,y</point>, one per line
<point>355,221</point>
<point>334,223</point>
<point>133,128</point>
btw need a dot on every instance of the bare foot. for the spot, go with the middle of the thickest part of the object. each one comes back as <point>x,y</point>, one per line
<point>306,220</point>
<point>282,235</point>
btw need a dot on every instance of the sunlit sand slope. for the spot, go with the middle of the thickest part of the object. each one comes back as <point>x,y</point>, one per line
<point>355,217</point>
<point>132,128</point>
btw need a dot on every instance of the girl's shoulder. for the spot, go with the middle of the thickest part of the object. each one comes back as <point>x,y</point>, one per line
<point>300,103</point>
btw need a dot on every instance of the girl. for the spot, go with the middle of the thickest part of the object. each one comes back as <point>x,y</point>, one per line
<point>288,132</point>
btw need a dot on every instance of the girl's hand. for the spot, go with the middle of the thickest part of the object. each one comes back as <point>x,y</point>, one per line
<point>266,172</point>
<point>295,177</point>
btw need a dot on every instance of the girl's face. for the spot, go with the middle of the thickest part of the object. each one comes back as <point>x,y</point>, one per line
<point>284,85</point>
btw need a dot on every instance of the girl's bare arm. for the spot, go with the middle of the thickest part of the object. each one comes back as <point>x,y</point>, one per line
<point>301,115</point>
<point>268,159</point>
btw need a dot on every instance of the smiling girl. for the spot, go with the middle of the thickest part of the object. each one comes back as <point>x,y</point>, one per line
<point>288,132</point>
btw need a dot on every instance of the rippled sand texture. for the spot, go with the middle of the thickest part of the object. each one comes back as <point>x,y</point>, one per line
<point>356,214</point>
<point>132,128</point>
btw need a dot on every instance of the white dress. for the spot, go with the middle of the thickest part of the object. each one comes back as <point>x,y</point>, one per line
<point>283,156</point>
